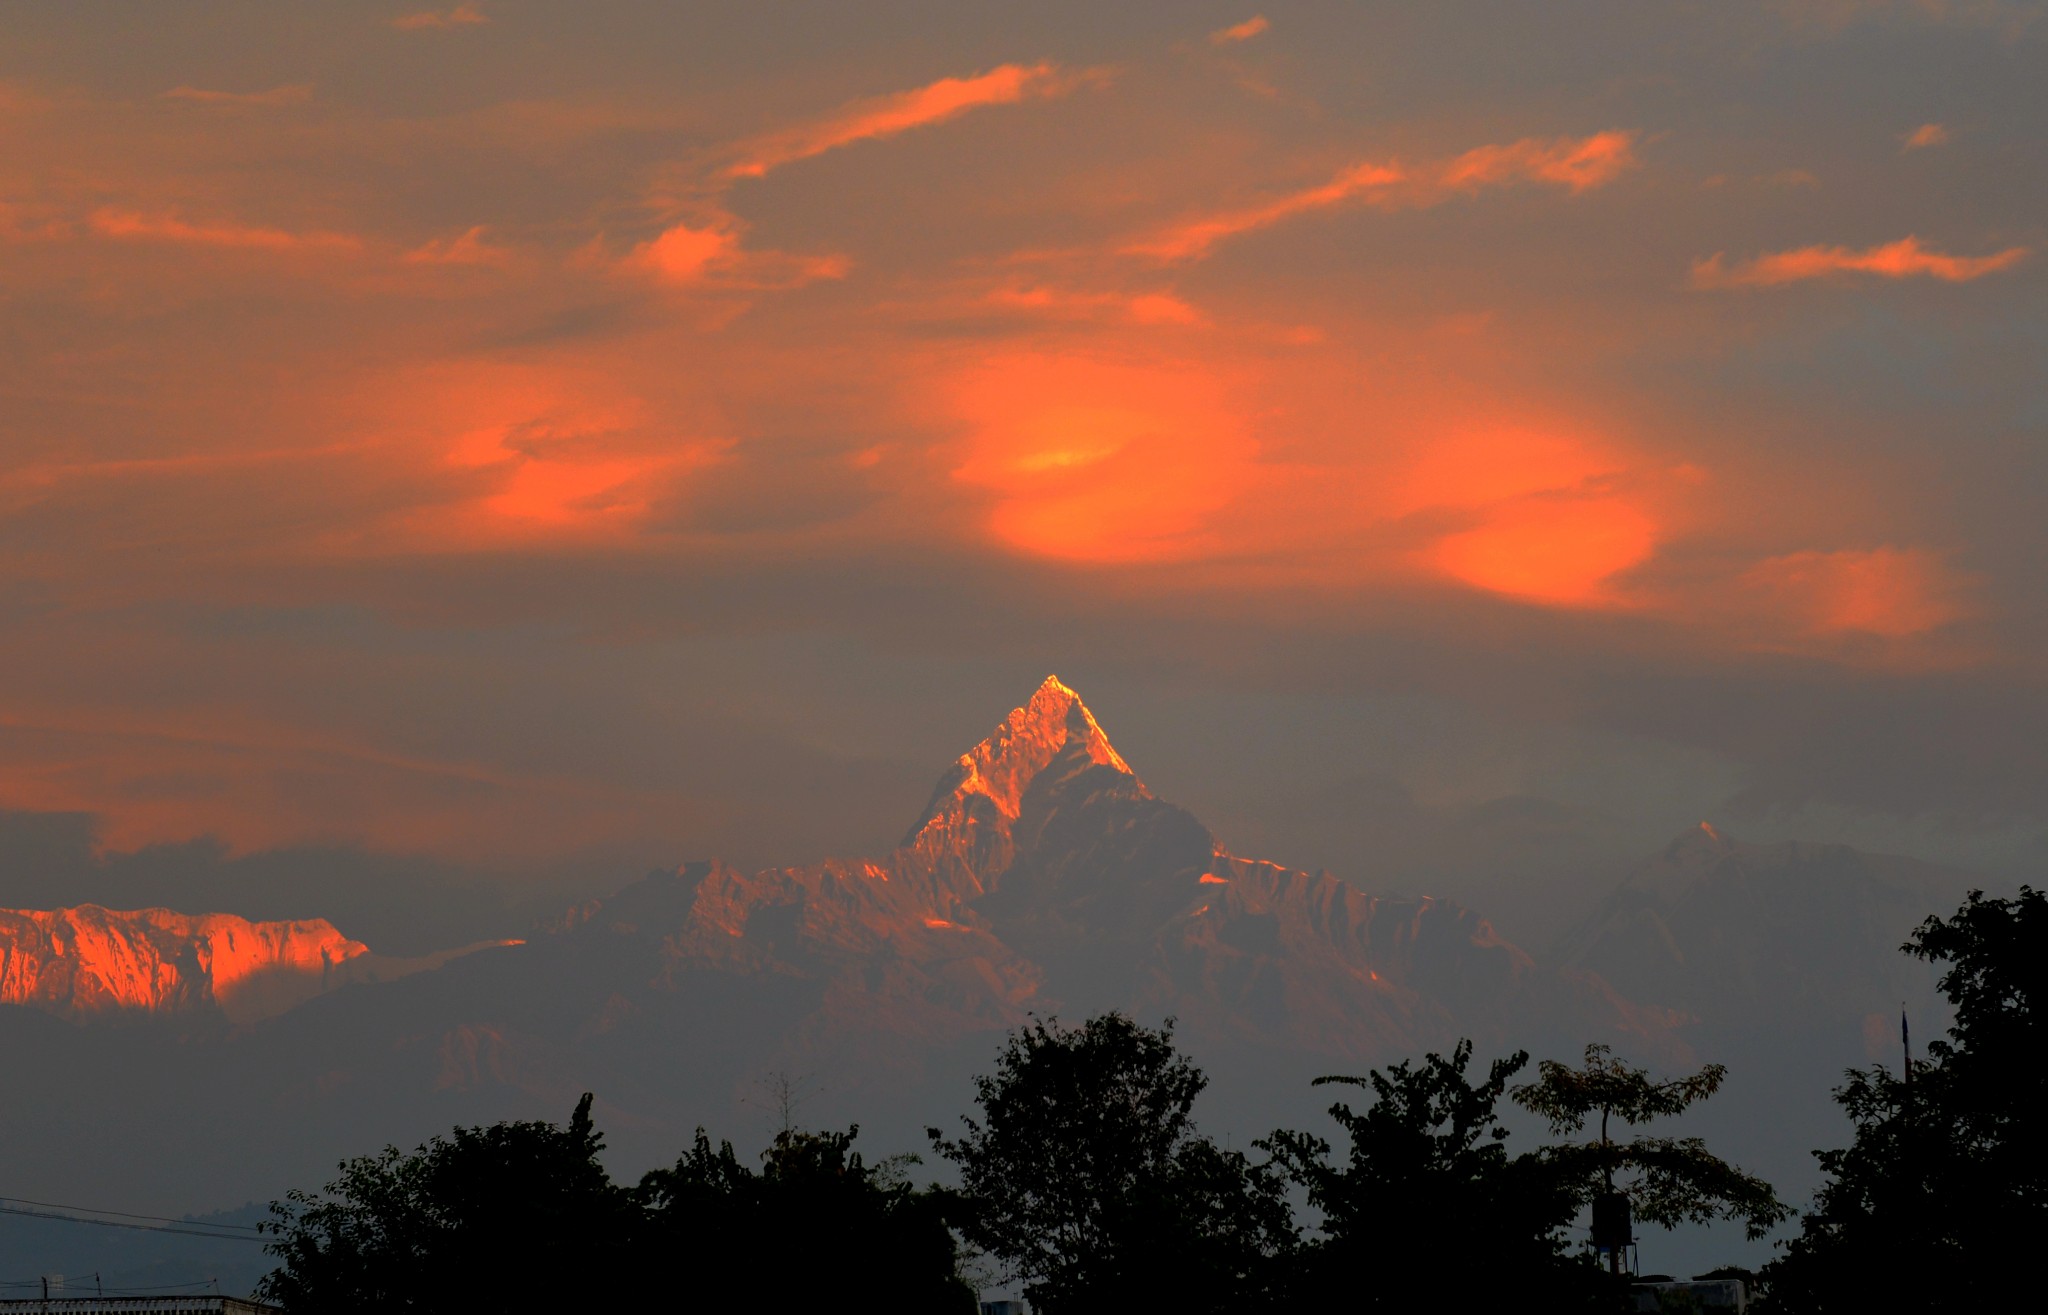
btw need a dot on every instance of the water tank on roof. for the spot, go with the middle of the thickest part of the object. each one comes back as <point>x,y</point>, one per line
<point>1611,1222</point>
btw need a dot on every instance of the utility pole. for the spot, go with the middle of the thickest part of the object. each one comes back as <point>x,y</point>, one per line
<point>1905,1043</point>
<point>1611,1222</point>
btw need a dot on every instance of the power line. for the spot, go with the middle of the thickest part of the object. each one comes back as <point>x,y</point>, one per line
<point>162,1228</point>
<point>124,1214</point>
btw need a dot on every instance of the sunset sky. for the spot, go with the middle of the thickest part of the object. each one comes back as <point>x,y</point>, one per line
<point>1448,443</point>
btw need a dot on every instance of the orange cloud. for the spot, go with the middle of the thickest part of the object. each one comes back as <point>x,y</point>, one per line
<point>1889,592</point>
<point>535,452</point>
<point>1101,461</point>
<point>428,20</point>
<point>711,253</point>
<point>1245,31</point>
<point>132,225</point>
<point>886,116</point>
<point>1905,258</point>
<point>683,254</point>
<point>566,493</point>
<point>1927,134</point>
<point>296,94</point>
<point>1145,308</point>
<point>1573,163</point>
<point>1562,552</point>
<point>1545,523</point>
<point>1485,465</point>
<point>1192,239</point>
<point>468,249</point>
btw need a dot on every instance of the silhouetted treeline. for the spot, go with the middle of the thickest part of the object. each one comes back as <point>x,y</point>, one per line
<point>519,1216</point>
<point>1939,1201</point>
<point>1083,1177</point>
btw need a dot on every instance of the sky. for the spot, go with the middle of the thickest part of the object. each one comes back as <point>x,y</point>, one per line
<point>1457,445</point>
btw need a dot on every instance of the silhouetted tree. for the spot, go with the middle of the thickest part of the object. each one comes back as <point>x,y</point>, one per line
<point>521,1215</point>
<point>1666,1180</point>
<point>1945,1185</point>
<point>1087,1178</point>
<point>1427,1211</point>
<point>486,1218</point>
<point>816,1225</point>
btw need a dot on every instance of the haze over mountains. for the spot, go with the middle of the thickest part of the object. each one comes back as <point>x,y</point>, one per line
<point>1042,877</point>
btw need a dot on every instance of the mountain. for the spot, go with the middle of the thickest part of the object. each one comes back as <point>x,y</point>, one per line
<point>1042,876</point>
<point>1740,937</point>
<point>1781,961</point>
<point>90,963</point>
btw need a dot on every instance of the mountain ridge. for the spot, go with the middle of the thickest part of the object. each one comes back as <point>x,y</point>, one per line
<point>1044,875</point>
<point>88,962</point>
<point>1041,875</point>
<point>1738,933</point>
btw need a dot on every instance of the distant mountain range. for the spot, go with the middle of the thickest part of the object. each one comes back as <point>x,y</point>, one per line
<point>94,964</point>
<point>1042,877</point>
<point>1741,937</point>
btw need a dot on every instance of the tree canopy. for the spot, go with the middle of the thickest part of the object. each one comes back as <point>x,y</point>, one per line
<point>853,1227</point>
<point>1082,1171</point>
<point>1945,1181</point>
<point>1666,1180</point>
<point>520,1214</point>
<point>1427,1177</point>
<point>1085,1176</point>
<point>482,1218</point>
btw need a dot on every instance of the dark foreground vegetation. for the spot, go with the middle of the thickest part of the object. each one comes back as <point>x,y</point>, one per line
<point>1082,1176</point>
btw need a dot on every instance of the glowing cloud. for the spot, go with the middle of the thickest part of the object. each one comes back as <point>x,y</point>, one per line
<point>1576,164</point>
<point>1927,134</point>
<point>1146,308</point>
<point>1097,461</point>
<point>1543,523</point>
<point>295,94</point>
<point>131,225</point>
<point>430,19</point>
<point>1488,465</point>
<point>1890,592</point>
<point>1561,552</point>
<point>1245,31</point>
<point>563,493</point>
<point>468,249</point>
<point>1905,258</point>
<point>710,254</point>
<point>1573,163</point>
<point>683,254</point>
<point>537,454</point>
<point>1191,240</point>
<point>886,116</point>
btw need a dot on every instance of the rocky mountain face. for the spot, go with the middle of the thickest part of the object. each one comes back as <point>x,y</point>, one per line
<point>1044,876</point>
<point>89,963</point>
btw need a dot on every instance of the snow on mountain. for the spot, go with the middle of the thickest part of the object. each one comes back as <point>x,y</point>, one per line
<point>90,963</point>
